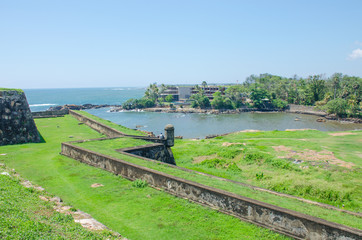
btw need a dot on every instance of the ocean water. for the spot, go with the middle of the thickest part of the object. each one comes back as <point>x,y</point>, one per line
<point>187,125</point>
<point>42,99</point>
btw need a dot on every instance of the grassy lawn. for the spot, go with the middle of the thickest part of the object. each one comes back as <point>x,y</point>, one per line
<point>121,128</point>
<point>136,213</point>
<point>107,147</point>
<point>23,215</point>
<point>122,142</point>
<point>311,164</point>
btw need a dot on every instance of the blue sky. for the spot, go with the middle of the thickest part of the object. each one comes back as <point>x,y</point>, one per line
<point>61,44</point>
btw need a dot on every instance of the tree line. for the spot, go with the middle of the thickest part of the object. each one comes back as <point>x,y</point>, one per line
<point>339,94</point>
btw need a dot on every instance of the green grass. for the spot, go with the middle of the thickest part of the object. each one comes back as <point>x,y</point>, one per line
<point>256,163</point>
<point>12,89</point>
<point>315,180</point>
<point>121,128</point>
<point>23,215</point>
<point>134,212</point>
<point>122,142</point>
<point>107,148</point>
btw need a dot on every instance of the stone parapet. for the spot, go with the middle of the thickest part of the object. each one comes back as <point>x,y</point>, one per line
<point>285,221</point>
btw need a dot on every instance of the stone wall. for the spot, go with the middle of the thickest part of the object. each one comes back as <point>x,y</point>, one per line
<point>163,154</point>
<point>285,221</point>
<point>49,114</point>
<point>156,151</point>
<point>16,125</point>
<point>108,131</point>
<point>99,127</point>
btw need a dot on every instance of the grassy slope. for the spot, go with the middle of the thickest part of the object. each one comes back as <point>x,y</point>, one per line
<point>23,215</point>
<point>113,125</point>
<point>136,213</point>
<point>107,148</point>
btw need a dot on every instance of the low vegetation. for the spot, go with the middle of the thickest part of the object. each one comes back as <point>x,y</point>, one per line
<point>12,89</point>
<point>228,161</point>
<point>134,210</point>
<point>23,215</point>
<point>320,166</point>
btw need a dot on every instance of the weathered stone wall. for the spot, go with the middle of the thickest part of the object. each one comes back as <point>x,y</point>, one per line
<point>16,125</point>
<point>288,222</point>
<point>163,154</point>
<point>108,131</point>
<point>49,114</point>
<point>156,151</point>
<point>99,127</point>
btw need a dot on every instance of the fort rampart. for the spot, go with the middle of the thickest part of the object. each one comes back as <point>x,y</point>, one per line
<point>288,222</point>
<point>16,122</point>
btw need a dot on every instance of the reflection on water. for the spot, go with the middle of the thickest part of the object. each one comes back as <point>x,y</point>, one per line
<point>200,125</point>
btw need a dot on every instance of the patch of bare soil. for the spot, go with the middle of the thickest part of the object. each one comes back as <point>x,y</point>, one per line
<point>95,185</point>
<point>250,130</point>
<point>200,159</point>
<point>342,134</point>
<point>312,156</point>
<point>302,129</point>
<point>282,148</point>
<point>227,144</point>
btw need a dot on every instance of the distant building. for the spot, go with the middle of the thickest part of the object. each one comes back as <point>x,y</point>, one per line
<point>183,93</point>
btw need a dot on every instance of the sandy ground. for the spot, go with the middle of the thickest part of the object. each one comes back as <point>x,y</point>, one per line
<point>312,156</point>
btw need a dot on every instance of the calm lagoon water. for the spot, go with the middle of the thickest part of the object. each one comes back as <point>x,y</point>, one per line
<point>195,125</point>
<point>186,125</point>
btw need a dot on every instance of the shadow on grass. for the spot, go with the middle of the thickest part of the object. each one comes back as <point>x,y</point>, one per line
<point>42,140</point>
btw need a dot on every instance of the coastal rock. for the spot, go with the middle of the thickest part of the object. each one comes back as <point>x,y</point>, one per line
<point>321,120</point>
<point>82,107</point>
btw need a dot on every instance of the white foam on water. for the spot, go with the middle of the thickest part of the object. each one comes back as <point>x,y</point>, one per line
<point>43,104</point>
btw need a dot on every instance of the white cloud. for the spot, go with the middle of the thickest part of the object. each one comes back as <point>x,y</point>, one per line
<point>357,53</point>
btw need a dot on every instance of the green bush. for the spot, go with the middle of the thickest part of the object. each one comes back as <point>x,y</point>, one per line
<point>233,168</point>
<point>337,106</point>
<point>230,152</point>
<point>259,176</point>
<point>279,104</point>
<point>138,103</point>
<point>139,183</point>
<point>252,157</point>
<point>213,163</point>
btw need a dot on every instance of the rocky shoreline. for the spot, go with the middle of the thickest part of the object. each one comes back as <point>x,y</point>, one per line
<point>81,107</point>
<point>293,109</point>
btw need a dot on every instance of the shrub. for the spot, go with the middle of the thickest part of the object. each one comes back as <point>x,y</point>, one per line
<point>252,157</point>
<point>230,152</point>
<point>233,168</point>
<point>279,104</point>
<point>139,183</point>
<point>337,106</point>
<point>259,176</point>
<point>213,163</point>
